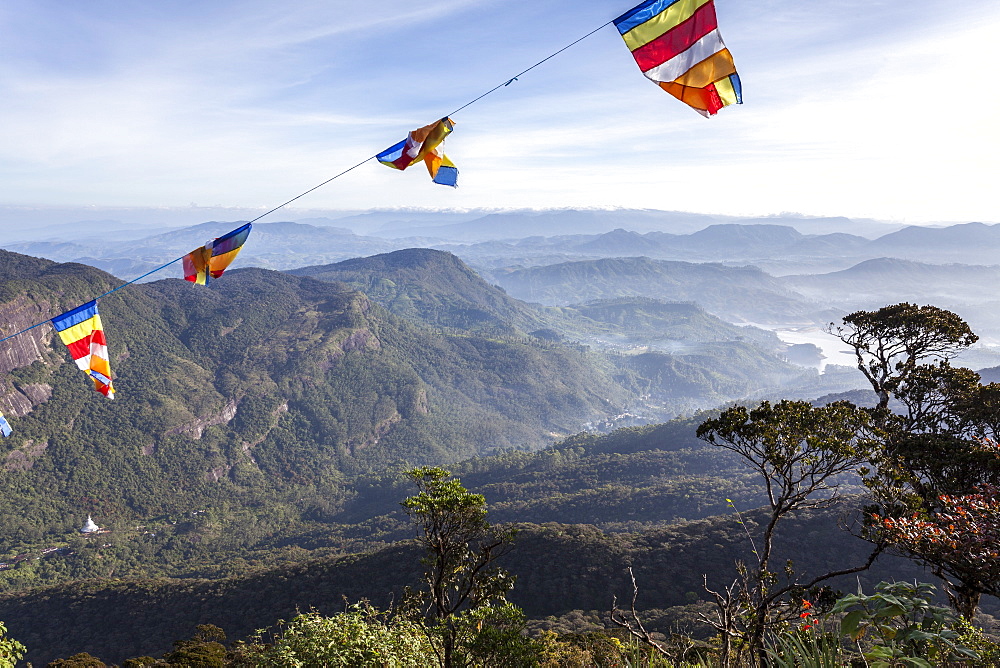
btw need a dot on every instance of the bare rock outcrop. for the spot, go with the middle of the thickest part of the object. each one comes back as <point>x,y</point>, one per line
<point>196,428</point>
<point>23,458</point>
<point>29,347</point>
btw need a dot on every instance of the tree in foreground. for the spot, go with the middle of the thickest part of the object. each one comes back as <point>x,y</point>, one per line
<point>960,538</point>
<point>800,451</point>
<point>80,660</point>
<point>204,650</point>
<point>358,637</point>
<point>463,604</point>
<point>11,651</point>
<point>938,457</point>
<point>891,342</point>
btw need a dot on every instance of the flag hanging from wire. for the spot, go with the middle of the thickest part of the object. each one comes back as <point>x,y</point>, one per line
<point>5,427</point>
<point>82,332</point>
<point>211,260</point>
<point>424,144</point>
<point>677,45</point>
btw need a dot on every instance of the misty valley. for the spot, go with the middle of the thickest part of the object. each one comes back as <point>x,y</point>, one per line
<point>573,367</point>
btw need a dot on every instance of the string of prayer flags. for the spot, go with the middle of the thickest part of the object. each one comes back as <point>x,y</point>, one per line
<point>5,427</point>
<point>82,332</point>
<point>677,45</point>
<point>211,260</point>
<point>424,144</point>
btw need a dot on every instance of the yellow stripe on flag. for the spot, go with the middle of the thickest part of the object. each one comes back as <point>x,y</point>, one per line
<point>726,91</point>
<point>662,23</point>
<point>82,330</point>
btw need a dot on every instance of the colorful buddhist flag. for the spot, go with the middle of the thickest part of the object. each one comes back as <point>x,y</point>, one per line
<point>5,427</point>
<point>82,332</point>
<point>424,144</point>
<point>212,259</point>
<point>677,45</point>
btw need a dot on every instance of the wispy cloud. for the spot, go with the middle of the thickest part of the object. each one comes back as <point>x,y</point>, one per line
<point>853,107</point>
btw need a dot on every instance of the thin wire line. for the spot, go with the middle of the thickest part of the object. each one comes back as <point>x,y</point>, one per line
<point>113,290</point>
<point>337,176</point>
<point>136,280</point>
<point>332,178</point>
<point>23,331</point>
<point>464,106</point>
<point>513,78</point>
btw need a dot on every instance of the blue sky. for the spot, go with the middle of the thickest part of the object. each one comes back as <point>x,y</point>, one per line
<point>877,108</point>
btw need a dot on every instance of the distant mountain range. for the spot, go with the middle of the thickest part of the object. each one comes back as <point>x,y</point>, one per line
<point>559,222</point>
<point>737,294</point>
<point>781,245</point>
<point>885,280</point>
<point>821,275</point>
<point>285,245</point>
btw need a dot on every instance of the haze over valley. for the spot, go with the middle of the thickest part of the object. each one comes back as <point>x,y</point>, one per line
<point>559,361</point>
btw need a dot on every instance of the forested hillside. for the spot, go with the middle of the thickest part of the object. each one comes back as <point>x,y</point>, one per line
<point>433,287</point>
<point>253,458</point>
<point>648,477</point>
<point>253,399</point>
<point>678,357</point>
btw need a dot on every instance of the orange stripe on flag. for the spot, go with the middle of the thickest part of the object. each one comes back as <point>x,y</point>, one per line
<point>717,66</point>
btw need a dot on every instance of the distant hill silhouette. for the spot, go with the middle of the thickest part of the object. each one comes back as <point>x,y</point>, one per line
<point>735,293</point>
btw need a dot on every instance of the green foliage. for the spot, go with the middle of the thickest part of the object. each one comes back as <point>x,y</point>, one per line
<point>901,626</point>
<point>891,341</point>
<point>586,650</point>
<point>10,650</point>
<point>492,635</point>
<point>80,660</point>
<point>805,649</point>
<point>973,638</point>
<point>204,650</point>
<point>360,636</point>
<point>464,587</point>
<point>139,662</point>
<point>938,454</point>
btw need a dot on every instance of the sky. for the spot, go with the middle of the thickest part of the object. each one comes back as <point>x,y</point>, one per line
<point>861,108</point>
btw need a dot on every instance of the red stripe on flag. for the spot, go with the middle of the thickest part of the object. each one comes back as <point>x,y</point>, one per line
<point>98,337</point>
<point>678,40</point>
<point>713,99</point>
<point>79,348</point>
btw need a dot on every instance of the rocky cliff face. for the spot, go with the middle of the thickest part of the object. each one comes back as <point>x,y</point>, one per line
<point>196,428</point>
<point>15,315</point>
<point>22,351</point>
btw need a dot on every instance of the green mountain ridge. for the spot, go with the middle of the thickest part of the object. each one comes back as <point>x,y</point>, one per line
<point>262,391</point>
<point>262,421</point>
<point>432,287</point>
<point>678,357</point>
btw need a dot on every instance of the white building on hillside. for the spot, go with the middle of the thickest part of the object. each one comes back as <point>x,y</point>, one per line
<point>90,526</point>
